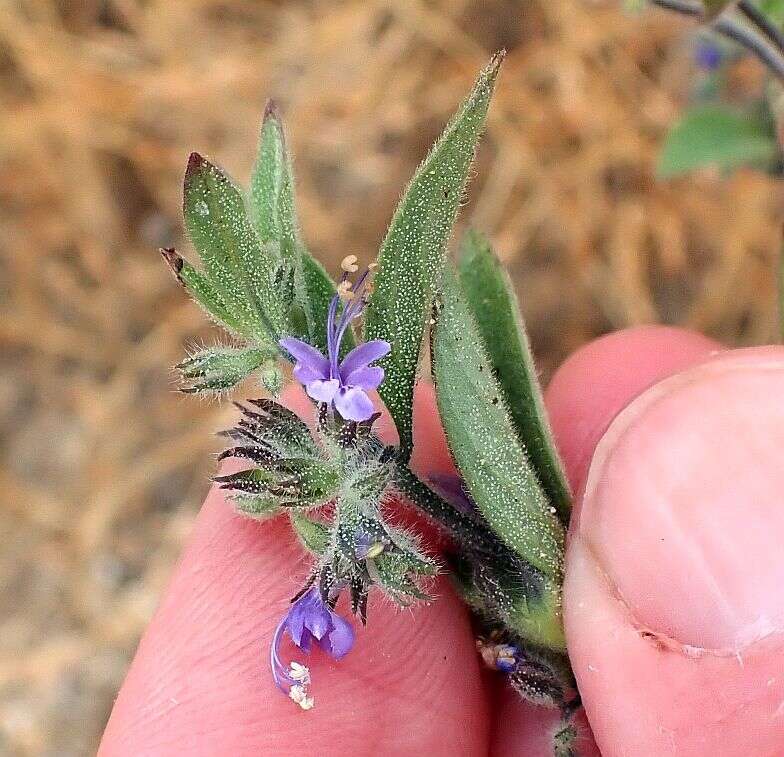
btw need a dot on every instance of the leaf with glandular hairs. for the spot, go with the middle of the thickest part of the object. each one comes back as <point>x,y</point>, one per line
<point>413,253</point>
<point>491,298</point>
<point>222,367</point>
<point>305,286</point>
<point>483,439</point>
<point>241,269</point>
<point>202,290</point>
<point>271,187</point>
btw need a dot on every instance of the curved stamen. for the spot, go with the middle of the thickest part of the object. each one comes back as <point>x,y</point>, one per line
<point>351,310</point>
<point>332,343</point>
<point>279,670</point>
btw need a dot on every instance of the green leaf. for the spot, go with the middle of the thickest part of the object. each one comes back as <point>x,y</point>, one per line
<point>241,269</point>
<point>491,298</point>
<point>219,367</point>
<point>275,218</point>
<point>413,253</point>
<point>483,439</point>
<point>271,179</point>
<point>202,291</point>
<point>720,137</point>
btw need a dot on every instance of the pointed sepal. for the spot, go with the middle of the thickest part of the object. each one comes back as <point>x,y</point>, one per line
<point>219,368</point>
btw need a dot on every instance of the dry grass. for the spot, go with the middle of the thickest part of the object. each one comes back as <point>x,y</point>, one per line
<point>103,465</point>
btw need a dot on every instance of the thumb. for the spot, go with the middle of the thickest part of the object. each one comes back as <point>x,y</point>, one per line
<point>673,604</point>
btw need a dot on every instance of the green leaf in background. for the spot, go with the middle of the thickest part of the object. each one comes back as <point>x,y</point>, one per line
<point>483,438</point>
<point>239,267</point>
<point>413,253</point>
<point>720,137</point>
<point>774,9</point>
<point>275,218</point>
<point>491,298</point>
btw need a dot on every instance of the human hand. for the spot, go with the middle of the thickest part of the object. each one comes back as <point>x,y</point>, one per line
<point>682,519</point>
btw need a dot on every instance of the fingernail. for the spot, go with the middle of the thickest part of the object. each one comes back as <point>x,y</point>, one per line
<point>684,503</point>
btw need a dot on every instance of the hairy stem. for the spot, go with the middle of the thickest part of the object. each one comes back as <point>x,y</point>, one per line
<point>765,41</point>
<point>464,528</point>
<point>763,23</point>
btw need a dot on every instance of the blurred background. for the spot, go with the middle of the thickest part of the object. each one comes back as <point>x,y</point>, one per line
<point>102,464</point>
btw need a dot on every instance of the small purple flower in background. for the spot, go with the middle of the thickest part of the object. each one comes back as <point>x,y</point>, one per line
<point>451,487</point>
<point>502,657</point>
<point>367,547</point>
<point>308,618</point>
<point>344,385</point>
<point>708,55</point>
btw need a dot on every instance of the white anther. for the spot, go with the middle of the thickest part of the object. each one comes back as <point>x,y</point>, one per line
<point>299,673</point>
<point>349,264</point>
<point>299,695</point>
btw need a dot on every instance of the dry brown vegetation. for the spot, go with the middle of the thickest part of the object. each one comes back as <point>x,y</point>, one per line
<point>103,465</point>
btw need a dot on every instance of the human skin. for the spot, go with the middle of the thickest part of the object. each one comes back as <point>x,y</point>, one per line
<point>675,541</point>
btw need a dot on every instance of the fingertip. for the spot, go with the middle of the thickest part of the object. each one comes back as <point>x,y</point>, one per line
<point>601,378</point>
<point>675,558</point>
<point>526,730</point>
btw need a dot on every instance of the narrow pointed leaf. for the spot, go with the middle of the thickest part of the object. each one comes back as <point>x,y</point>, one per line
<point>491,298</point>
<point>202,291</point>
<point>412,255</point>
<point>306,287</point>
<point>271,178</point>
<point>483,439</point>
<point>240,268</point>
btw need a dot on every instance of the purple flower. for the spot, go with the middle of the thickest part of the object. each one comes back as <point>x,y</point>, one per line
<point>451,487</point>
<point>502,657</point>
<point>708,55</point>
<point>308,618</point>
<point>346,384</point>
